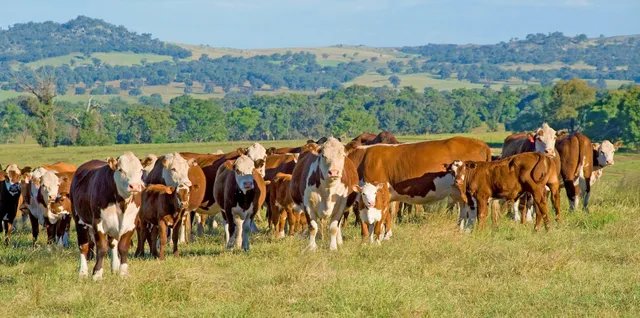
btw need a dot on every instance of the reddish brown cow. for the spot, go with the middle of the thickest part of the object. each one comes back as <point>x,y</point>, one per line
<point>374,209</point>
<point>320,184</point>
<point>106,200</point>
<point>277,163</point>
<point>576,157</point>
<point>239,191</point>
<point>415,172</point>
<point>508,179</point>
<point>282,206</point>
<point>162,208</point>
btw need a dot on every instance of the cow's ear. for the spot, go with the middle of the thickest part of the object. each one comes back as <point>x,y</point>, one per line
<point>113,163</point>
<point>531,137</point>
<point>472,165</point>
<point>618,144</point>
<point>356,188</point>
<point>310,141</point>
<point>321,140</point>
<point>192,162</point>
<point>169,190</point>
<point>267,182</point>
<point>242,151</point>
<point>258,163</point>
<point>595,145</point>
<point>562,132</point>
<point>271,151</point>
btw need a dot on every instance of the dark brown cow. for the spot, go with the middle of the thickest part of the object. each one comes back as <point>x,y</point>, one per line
<point>240,192</point>
<point>162,208</point>
<point>374,209</point>
<point>320,184</point>
<point>508,179</point>
<point>106,200</point>
<point>415,172</point>
<point>9,198</point>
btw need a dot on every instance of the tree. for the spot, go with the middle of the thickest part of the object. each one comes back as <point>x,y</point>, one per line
<point>92,131</point>
<point>242,122</point>
<point>43,87</point>
<point>146,125</point>
<point>352,121</point>
<point>197,120</point>
<point>568,98</point>
<point>14,124</point>
<point>394,80</point>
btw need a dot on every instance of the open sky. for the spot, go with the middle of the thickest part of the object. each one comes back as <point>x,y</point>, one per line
<point>309,23</point>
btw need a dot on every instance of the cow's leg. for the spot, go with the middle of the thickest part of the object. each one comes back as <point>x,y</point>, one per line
<point>235,229</point>
<point>162,229</point>
<point>495,210</point>
<point>200,219</point>
<point>83,245</point>
<point>333,232</point>
<point>51,231</point>
<point>246,230</point>
<point>35,228</point>
<point>463,217</point>
<point>115,257</point>
<point>141,230</point>
<point>123,252</point>
<point>587,194</point>
<point>153,239</point>
<point>313,231</point>
<point>555,200</point>
<point>516,210</point>
<point>378,231</point>
<point>281,221</point>
<point>571,193</point>
<point>102,246</point>
<point>388,225</point>
<point>482,204</point>
<point>529,207</point>
<point>176,237</point>
<point>339,234</point>
<point>542,212</point>
<point>292,221</point>
<point>364,230</point>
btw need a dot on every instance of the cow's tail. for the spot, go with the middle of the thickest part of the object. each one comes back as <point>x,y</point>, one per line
<point>540,169</point>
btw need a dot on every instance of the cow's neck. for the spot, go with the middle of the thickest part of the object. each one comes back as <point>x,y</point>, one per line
<point>244,199</point>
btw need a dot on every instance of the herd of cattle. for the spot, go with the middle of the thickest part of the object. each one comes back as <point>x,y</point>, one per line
<point>304,187</point>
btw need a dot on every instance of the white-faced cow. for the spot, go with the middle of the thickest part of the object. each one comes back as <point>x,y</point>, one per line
<point>106,197</point>
<point>240,191</point>
<point>374,209</point>
<point>320,184</point>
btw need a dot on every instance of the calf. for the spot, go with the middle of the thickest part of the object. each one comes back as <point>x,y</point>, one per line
<point>374,208</point>
<point>275,164</point>
<point>106,200</point>
<point>320,184</point>
<point>49,204</point>
<point>281,206</point>
<point>507,179</point>
<point>162,208</point>
<point>240,191</point>
<point>9,198</point>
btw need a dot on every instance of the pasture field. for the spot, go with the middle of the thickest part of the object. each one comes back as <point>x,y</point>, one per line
<point>111,58</point>
<point>586,265</point>
<point>421,80</point>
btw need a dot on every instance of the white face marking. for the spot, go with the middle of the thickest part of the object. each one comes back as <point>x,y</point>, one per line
<point>545,139</point>
<point>368,194</point>
<point>243,172</point>
<point>176,171</point>
<point>257,152</point>
<point>149,166</point>
<point>606,150</point>
<point>128,175</point>
<point>49,185</point>
<point>332,156</point>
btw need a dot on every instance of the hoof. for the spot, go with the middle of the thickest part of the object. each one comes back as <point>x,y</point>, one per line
<point>97,275</point>
<point>83,275</point>
<point>124,270</point>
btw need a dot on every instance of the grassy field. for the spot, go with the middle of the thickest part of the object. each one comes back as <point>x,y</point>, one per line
<point>585,266</point>
<point>421,80</point>
<point>112,58</point>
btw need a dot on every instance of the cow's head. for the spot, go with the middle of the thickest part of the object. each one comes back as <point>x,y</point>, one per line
<point>257,152</point>
<point>373,195</point>
<point>49,185</point>
<point>545,140</point>
<point>13,173</point>
<point>460,171</point>
<point>148,163</point>
<point>605,152</point>
<point>332,156</point>
<point>175,172</point>
<point>127,174</point>
<point>36,177</point>
<point>243,172</point>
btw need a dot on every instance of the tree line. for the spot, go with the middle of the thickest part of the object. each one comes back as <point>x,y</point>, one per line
<point>344,112</point>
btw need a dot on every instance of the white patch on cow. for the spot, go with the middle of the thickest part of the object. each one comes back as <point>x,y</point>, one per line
<point>115,259</point>
<point>128,173</point>
<point>84,267</point>
<point>35,208</point>
<point>243,172</point>
<point>256,152</point>
<point>124,270</point>
<point>313,231</point>
<point>530,213</point>
<point>114,222</point>
<point>545,140</point>
<point>444,188</point>
<point>175,172</point>
<point>606,151</point>
<point>516,210</point>
<point>98,275</point>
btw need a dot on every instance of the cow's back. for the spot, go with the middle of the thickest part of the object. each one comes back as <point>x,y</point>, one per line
<point>517,143</point>
<point>576,156</point>
<point>276,163</point>
<point>92,188</point>
<point>61,167</point>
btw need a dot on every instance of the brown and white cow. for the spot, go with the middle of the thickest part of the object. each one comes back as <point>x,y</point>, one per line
<point>508,179</point>
<point>416,172</point>
<point>543,141</point>
<point>320,184</point>
<point>375,212</point>
<point>162,208</point>
<point>10,193</point>
<point>576,157</point>
<point>281,205</point>
<point>49,202</point>
<point>276,164</point>
<point>106,197</point>
<point>240,191</point>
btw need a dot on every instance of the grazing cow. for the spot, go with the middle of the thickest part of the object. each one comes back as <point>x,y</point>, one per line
<point>9,198</point>
<point>543,141</point>
<point>374,208</point>
<point>49,203</point>
<point>106,197</point>
<point>508,179</point>
<point>416,172</point>
<point>162,208</point>
<point>320,184</point>
<point>240,191</point>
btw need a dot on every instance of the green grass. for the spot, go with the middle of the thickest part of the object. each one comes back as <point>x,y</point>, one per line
<point>585,266</point>
<point>419,81</point>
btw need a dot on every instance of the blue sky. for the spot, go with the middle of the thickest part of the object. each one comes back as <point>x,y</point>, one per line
<point>309,23</point>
